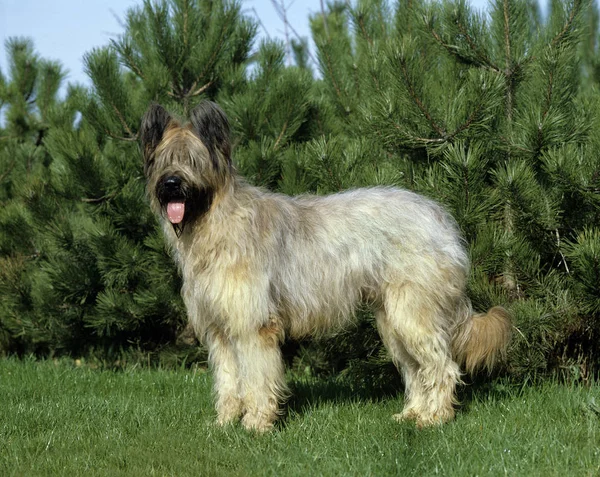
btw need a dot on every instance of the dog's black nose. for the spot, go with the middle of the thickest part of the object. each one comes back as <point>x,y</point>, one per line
<point>172,183</point>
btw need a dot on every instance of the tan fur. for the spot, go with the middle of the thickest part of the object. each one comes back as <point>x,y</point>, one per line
<point>258,267</point>
<point>482,340</point>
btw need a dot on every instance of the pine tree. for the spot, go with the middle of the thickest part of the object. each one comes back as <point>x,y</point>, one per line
<point>495,117</point>
<point>30,105</point>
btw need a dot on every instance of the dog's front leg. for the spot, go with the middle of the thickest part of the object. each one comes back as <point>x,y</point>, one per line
<point>221,356</point>
<point>261,376</point>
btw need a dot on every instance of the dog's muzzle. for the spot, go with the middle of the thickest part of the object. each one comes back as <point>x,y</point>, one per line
<point>182,203</point>
<point>172,195</point>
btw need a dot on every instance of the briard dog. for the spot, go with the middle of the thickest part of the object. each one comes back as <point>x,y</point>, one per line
<point>258,267</point>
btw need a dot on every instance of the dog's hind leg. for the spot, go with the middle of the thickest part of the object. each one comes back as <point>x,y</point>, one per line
<point>414,327</point>
<point>404,362</point>
<point>262,376</point>
<point>221,356</point>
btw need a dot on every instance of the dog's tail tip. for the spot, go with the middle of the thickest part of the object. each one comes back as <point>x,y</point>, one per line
<point>482,340</point>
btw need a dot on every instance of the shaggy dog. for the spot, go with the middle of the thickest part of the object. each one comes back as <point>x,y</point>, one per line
<point>259,266</point>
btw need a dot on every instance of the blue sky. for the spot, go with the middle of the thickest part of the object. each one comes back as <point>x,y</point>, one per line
<point>64,30</point>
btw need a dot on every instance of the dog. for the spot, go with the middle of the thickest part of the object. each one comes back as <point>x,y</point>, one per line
<point>258,267</point>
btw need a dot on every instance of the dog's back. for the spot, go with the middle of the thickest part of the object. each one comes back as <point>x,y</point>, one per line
<point>336,251</point>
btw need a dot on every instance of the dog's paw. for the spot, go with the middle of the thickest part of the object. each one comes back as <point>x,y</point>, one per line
<point>229,411</point>
<point>406,415</point>
<point>423,420</point>
<point>257,423</point>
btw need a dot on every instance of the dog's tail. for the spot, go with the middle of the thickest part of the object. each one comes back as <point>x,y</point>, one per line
<point>482,339</point>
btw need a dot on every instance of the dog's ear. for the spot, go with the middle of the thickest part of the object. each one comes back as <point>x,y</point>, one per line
<point>153,126</point>
<point>212,127</point>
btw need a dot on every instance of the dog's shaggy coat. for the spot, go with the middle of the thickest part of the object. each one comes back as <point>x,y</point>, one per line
<point>258,267</point>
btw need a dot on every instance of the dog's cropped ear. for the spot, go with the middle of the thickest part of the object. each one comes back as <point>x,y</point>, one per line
<point>153,126</point>
<point>212,127</point>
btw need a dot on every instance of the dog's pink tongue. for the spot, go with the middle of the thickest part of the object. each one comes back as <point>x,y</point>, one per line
<point>175,211</point>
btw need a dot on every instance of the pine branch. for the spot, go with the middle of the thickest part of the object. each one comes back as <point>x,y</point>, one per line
<point>297,35</point>
<point>215,54</point>
<point>411,90</point>
<point>283,129</point>
<point>324,16</point>
<point>545,109</point>
<point>557,40</point>
<point>8,170</point>
<point>28,95</point>
<point>185,24</point>
<point>97,200</point>
<point>332,76</point>
<point>482,59</point>
<point>123,122</point>
<point>112,135</point>
<point>508,70</point>
<point>509,144</point>
<point>467,124</point>
<point>485,60</point>
<point>418,139</point>
<point>131,64</point>
<point>121,138</point>
<point>549,91</point>
<point>558,247</point>
<point>202,88</point>
<point>366,36</point>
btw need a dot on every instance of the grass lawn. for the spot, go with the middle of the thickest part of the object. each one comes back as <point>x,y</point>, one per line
<point>58,419</point>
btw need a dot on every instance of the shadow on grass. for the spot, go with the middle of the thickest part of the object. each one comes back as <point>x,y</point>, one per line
<point>484,387</point>
<point>310,392</point>
<point>315,391</point>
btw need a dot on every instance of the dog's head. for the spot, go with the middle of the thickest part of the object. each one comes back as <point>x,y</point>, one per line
<point>185,164</point>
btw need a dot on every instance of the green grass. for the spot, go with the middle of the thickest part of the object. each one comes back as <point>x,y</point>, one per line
<point>57,419</point>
